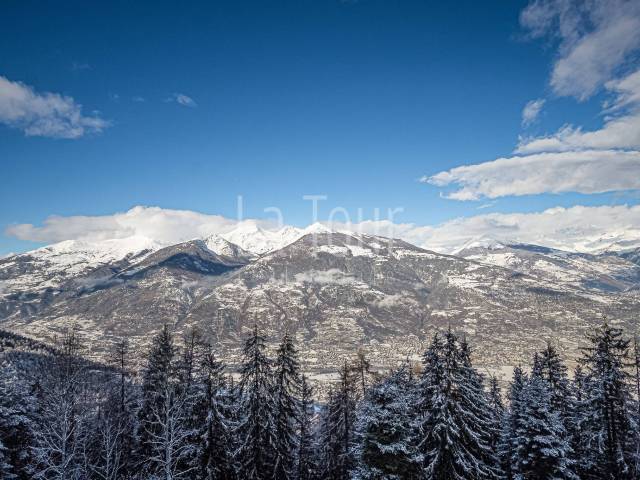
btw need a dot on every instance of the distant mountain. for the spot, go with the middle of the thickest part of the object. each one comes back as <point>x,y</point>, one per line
<point>221,246</point>
<point>604,272</point>
<point>336,292</point>
<point>251,238</point>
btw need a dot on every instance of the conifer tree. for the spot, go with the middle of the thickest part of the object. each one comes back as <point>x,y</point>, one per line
<point>6,470</point>
<point>513,418</point>
<point>60,430</point>
<point>17,414</point>
<point>213,414</point>
<point>554,372</point>
<point>256,431</point>
<point>384,435</point>
<point>337,428</point>
<point>286,395</point>
<point>636,410</point>
<point>606,426</point>
<point>478,405</point>
<point>454,426</point>
<point>542,450</point>
<point>115,424</point>
<point>497,411</point>
<point>164,432</point>
<point>306,457</point>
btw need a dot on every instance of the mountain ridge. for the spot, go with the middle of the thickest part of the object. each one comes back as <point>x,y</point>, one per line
<point>336,291</point>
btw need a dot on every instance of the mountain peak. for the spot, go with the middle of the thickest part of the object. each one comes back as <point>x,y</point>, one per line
<point>316,228</point>
<point>484,242</point>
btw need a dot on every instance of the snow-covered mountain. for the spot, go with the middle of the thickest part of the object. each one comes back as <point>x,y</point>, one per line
<point>222,246</point>
<point>252,238</point>
<point>258,241</point>
<point>336,291</point>
<point>604,272</point>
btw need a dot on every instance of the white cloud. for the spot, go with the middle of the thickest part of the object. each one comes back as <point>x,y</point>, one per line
<point>589,171</point>
<point>182,99</point>
<point>569,160</point>
<point>531,111</point>
<point>44,114</point>
<point>164,225</point>
<point>577,228</point>
<point>596,38</point>
<point>621,128</point>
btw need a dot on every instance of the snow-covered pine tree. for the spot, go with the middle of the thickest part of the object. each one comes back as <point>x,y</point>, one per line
<point>337,429</point>
<point>497,409</point>
<point>115,423</point>
<point>512,420</point>
<point>256,453</point>
<point>542,450</point>
<point>554,372</point>
<point>17,413</point>
<point>495,397</point>
<point>636,411</point>
<point>454,416</point>
<point>384,437</point>
<point>606,433</point>
<point>189,390</point>
<point>60,430</point>
<point>361,367</point>
<point>286,395</point>
<point>163,430</point>
<point>6,470</point>
<point>306,455</point>
<point>213,414</point>
<point>478,405</point>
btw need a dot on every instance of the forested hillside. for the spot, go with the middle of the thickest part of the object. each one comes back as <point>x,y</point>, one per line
<point>186,415</point>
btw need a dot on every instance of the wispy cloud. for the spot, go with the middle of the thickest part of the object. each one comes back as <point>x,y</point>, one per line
<point>621,128</point>
<point>137,99</point>
<point>531,111</point>
<point>595,39</point>
<point>79,66</point>
<point>182,99</point>
<point>45,114</point>
<point>589,171</point>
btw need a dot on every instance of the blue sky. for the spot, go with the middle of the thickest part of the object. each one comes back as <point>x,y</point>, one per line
<point>186,106</point>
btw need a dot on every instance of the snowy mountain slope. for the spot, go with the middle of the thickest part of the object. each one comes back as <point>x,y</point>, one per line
<point>221,246</point>
<point>48,267</point>
<point>337,292</point>
<point>606,272</point>
<point>252,238</point>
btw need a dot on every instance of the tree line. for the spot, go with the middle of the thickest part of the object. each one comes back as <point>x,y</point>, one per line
<point>185,416</point>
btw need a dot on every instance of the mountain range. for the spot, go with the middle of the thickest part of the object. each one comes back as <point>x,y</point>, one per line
<point>337,291</point>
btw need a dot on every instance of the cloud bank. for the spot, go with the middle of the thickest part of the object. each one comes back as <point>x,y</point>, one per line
<point>577,228</point>
<point>163,225</point>
<point>44,114</point>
